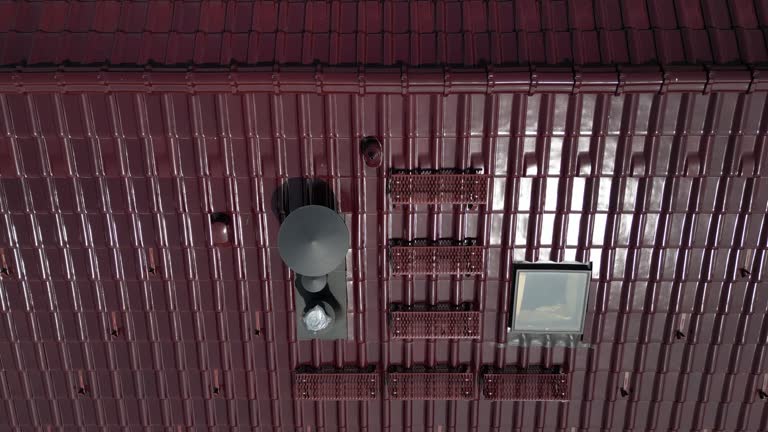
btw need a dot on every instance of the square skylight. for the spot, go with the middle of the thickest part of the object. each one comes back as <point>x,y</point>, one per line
<point>549,297</point>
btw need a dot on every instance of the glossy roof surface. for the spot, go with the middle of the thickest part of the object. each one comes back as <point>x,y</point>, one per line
<point>414,33</point>
<point>658,177</point>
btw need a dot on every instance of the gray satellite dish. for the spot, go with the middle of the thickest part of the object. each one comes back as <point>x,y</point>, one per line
<point>313,241</point>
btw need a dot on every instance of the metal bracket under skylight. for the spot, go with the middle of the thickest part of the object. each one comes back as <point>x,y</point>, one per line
<point>549,298</point>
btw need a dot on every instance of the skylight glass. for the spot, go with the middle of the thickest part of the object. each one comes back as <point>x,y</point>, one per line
<point>549,298</point>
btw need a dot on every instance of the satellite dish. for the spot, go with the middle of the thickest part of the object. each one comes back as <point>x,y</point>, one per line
<point>313,240</point>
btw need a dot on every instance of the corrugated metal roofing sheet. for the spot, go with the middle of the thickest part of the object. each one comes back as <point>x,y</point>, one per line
<point>665,193</point>
<point>119,311</point>
<point>418,32</point>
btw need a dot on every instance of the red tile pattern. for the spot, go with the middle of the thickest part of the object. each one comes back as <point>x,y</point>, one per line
<point>416,32</point>
<point>118,312</point>
<point>661,185</point>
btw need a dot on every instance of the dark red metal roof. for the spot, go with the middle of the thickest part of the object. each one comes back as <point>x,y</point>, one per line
<point>384,33</point>
<point>120,309</point>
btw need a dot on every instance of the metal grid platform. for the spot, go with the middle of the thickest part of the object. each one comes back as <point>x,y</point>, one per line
<point>435,324</point>
<point>335,385</point>
<point>525,385</point>
<point>410,188</point>
<point>436,259</point>
<point>423,384</point>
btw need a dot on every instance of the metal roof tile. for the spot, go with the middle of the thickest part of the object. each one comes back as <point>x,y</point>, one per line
<point>624,335</point>
<point>656,176</point>
<point>387,34</point>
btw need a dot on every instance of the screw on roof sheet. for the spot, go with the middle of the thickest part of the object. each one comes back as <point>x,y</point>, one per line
<point>152,266</point>
<point>216,388</point>
<point>625,390</point>
<point>747,263</point>
<point>5,270</point>
<point>257,324</point>
<point>680,331</point>
<point>115,329</point>
<point>82,388</point>
<point>762,392</point>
